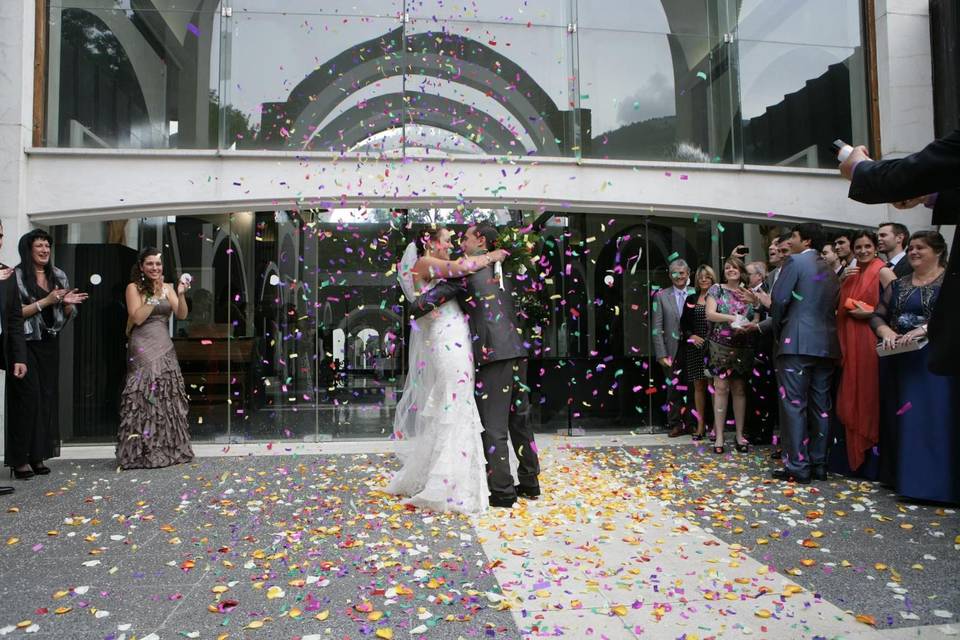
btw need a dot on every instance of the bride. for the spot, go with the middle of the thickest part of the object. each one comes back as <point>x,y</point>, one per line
<point>437,426</point>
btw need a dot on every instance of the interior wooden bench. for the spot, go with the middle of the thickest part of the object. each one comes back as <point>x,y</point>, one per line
<point>204,363</point>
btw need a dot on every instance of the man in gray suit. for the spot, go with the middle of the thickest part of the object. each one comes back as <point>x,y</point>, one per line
<point>667,309</point>
<point>501,359</point>
<point>803,320</point>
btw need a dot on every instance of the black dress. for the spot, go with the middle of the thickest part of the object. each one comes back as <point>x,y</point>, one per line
<point>694,322</point>
<point>33,429</point>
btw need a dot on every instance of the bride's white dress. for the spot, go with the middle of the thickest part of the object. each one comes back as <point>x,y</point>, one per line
<point>437,425</point>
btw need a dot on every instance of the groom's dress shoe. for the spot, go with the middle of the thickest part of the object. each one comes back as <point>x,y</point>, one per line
<point>783,474</point>
<point>818,473</point>
<point>530,493</point>
<point>5,490</point>
<point>503,502</point>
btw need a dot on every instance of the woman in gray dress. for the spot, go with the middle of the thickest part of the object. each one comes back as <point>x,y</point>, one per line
<point>153,406</point>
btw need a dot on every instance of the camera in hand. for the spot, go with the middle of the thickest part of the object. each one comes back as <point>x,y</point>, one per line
<point>741,250</point>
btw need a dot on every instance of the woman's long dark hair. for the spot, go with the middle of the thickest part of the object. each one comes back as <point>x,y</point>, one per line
<point>426,237</point>
<point>136,272</point>
<point>28,269</point>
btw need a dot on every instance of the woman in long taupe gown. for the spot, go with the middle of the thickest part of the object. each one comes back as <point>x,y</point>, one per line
<point>153,406</point>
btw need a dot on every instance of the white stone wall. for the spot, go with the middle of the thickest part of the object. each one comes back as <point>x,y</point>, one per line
<point>16,120</point>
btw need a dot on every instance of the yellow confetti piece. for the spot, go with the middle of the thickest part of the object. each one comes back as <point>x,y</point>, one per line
<point>323,615</point>
<point>619,610</point>
<point>220,588</point>
<point>62,610</point>
<point>275,592</point>
<point>386,634</point>
<point>256,624</point>
<point>762,613</point>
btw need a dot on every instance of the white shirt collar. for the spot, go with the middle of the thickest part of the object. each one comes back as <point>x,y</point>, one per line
<point>807,250</point>
<point>897,258</point>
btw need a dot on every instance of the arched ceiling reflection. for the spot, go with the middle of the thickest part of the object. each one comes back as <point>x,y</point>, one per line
<point>444,56</point>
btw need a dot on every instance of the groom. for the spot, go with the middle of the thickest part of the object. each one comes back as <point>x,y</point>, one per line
<point>501,361</point>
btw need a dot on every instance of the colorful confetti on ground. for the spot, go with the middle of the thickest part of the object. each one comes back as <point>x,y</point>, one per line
<point>627,542</point>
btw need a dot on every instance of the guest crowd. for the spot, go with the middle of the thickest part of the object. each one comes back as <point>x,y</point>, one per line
<point>826,341</point>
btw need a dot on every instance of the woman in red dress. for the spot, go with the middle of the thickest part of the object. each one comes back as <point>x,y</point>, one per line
<point>858,400</point>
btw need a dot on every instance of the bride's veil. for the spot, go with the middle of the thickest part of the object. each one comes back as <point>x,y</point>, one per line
<point>405,423</point>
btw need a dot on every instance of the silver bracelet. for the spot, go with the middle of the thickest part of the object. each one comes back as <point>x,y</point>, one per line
<point>39,308</point>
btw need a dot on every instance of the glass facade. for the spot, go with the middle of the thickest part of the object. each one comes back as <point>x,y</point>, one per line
<point>703,81</point>
<point>296,326</point>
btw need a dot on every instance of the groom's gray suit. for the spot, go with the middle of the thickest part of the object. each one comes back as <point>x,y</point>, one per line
<point>501,360</point>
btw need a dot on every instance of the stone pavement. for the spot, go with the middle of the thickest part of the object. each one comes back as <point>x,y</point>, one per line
<point>636,536</point>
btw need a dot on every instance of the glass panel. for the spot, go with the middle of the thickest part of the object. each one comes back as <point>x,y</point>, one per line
<point>273,320</point>
<point>646,16</point>
<point>354,9</point>
<point>126,78</point>
<point>202,247</point>
<point>322,83</point>
<point>676,104</point>
<point>361,346</point>
<point>802,81</point>
<point>498,88</point>
<point>533,12</point>
<point>97,259</point>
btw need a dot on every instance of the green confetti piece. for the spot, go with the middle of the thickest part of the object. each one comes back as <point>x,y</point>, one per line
<point>720,227</point>
<point>673,256</point>
<point>701,75</point>
<point>796,295</point>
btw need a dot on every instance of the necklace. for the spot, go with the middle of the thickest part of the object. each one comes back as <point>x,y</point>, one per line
<point>922,282</point>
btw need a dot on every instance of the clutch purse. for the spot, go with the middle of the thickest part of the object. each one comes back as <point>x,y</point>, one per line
<point>852,304</point>
<point>913,345</point>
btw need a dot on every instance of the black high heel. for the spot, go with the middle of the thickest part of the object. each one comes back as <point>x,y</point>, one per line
<point>21,475</point>
<point>742,448</point>
<point>40,469</point>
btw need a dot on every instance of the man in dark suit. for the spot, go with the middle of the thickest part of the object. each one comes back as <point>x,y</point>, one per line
<point>932,177</point>
<point>501,360</point>
<point>892,240</point>
<point>803,320</point>
<point>13,348</point>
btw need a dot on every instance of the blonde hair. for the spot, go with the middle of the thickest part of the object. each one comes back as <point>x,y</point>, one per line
<point>701,270</point>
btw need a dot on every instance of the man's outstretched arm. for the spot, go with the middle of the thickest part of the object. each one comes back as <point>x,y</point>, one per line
<point>443,291</point>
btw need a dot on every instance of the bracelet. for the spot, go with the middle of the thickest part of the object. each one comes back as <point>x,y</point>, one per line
<point>39,308</point>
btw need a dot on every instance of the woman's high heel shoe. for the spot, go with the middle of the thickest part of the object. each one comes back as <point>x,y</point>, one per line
<point>40,469</point>
<point>26,474</point>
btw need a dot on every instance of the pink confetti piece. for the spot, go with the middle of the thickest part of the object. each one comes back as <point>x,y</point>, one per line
<point>902,410</point>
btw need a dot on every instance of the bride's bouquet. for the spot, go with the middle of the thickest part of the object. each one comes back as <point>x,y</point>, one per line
<point>523,246</point>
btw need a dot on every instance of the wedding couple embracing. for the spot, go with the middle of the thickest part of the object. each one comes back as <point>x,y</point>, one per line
<point>464,401</point>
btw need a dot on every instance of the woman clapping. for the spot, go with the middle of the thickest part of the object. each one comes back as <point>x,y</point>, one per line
<point>47,303</point>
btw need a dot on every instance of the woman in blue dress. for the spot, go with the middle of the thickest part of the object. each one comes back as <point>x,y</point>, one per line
<point>919,433</point>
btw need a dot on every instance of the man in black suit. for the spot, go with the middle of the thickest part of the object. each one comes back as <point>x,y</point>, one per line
<point>13,348</point>
<point>501,360</point>
<point>932,177</point>
<point>806,349</point>
<point>892,240</point>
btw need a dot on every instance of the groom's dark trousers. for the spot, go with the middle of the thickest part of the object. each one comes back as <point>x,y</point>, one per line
<point>501,360</point>
<point>504,406</point>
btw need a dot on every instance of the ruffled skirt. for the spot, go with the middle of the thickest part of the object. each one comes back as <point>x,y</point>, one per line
<point>153,416</point>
